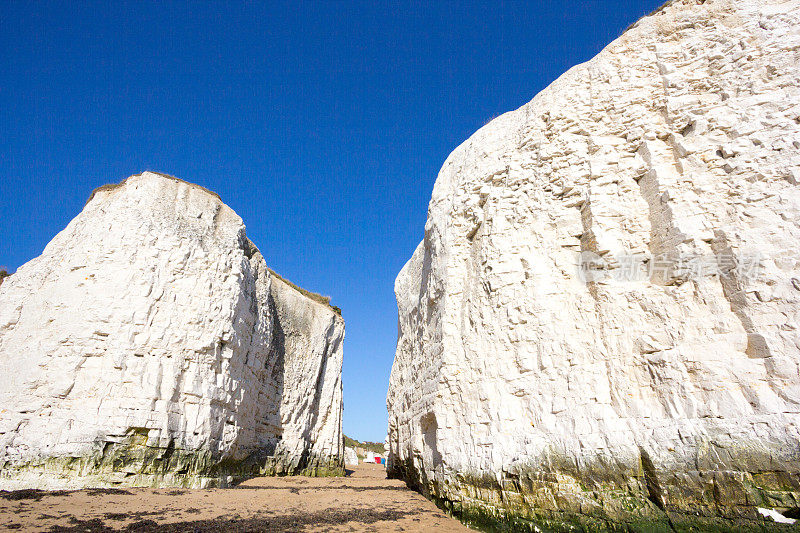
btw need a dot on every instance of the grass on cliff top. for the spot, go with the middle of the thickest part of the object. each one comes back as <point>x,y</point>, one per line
<point>112,186</point>
<point>3,275</point>
<point>326,300</point>
<point>658,10</point>
<point>376,447</point>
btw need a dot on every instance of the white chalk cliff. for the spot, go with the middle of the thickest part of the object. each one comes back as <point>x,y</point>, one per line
<point>661,386</point>
<point>350,457</point>
<point>150,345</point>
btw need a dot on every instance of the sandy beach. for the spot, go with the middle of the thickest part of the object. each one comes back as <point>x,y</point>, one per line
<point>362,501</point>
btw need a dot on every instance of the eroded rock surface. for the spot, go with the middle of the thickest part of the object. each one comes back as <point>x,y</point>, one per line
<point>150,345</point>
<point>350,457</point>
<point>661,387</point>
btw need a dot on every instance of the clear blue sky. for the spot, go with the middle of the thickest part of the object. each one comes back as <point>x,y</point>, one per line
<point>323,124</point>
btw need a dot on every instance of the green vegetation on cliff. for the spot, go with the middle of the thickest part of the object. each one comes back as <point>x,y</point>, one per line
<point>375,447</point>
<point>308,294</point>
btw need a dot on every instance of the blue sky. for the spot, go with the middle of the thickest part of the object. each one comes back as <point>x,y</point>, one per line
<point>322,124</point>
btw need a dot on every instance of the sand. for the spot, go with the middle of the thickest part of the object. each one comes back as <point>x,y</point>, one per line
<point>363,501</point>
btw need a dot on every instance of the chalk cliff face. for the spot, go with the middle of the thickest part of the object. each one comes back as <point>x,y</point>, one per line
<point>350,457</point>
<point>601,323</point>
<point>150,345</point>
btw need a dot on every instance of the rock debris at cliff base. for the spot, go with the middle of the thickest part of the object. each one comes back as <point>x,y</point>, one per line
<point>600,327</point>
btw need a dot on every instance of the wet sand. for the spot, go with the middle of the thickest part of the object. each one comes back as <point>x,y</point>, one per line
<point>363,501</point>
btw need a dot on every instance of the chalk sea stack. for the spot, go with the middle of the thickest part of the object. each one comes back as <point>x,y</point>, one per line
<point>658,388</point>
<point>150,345</point>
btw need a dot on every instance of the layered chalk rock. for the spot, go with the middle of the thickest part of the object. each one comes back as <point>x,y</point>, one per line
<point>350,457</point>
<point>150,345</point>
<point>655,384</point>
